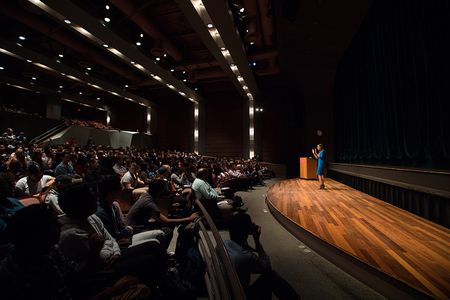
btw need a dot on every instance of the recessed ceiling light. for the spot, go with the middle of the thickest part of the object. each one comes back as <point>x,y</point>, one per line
<point>98,98</point>
<point>67,21</point>
<point>184,80</point>
<point>2,68</point>
<point>184,72</point>
<point>105,45</point>
<point>158,58</point>
<point>28,60</point>
<point>196,89</point>
<point>107,7</point>
<point>165,55</point>
<point>138,43</point>
<point>126,85</point>
<point>34,78</point>
<point>172,70</point>
<point>81,93</point>
<point>141,35</point>
<point>89,68</point>
<point>22,38</point>
<point>107,20</point>
<point>132,62</point>
<point>63,74</point>
<point>19,44</point>
<point>61,55</point>
<point>251,43</point>
<point>223,48</point>
<point>242,10</point>
<point>87,73</point>
<point>210,25</point>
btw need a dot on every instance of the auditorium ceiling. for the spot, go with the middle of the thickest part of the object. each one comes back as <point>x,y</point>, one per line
<point>173,55</point>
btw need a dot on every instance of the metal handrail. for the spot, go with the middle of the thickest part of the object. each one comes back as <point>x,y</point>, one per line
<point>49,132</point>
<point>228,272</point>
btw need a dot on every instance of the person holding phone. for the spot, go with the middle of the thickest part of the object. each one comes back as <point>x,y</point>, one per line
<point>319,154</point>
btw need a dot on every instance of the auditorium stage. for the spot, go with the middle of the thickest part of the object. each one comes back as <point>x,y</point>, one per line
<point>397,253</point>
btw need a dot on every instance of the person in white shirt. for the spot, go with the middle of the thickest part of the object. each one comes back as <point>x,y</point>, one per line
<point>34,183</point>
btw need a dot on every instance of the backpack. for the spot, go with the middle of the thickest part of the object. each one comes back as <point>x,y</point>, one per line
<point>191,264</point>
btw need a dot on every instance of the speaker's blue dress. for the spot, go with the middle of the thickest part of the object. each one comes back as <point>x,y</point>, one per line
<point>321,163</point>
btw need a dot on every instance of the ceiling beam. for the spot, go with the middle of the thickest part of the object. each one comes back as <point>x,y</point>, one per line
<point>68,73</point>
<point>79,21</point>
<point>22,84</point>
<point>219,14</point>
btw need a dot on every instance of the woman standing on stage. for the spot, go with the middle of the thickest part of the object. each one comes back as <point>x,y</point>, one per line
<point>319,154</point>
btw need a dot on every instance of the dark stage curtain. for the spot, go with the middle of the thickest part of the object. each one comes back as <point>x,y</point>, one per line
<point>392,87</point>
<point>433,208</point>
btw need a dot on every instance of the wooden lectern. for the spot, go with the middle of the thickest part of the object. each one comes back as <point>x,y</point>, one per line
<point>308,168</point>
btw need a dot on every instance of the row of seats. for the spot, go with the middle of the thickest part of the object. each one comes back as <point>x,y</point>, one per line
<point>104,218</point>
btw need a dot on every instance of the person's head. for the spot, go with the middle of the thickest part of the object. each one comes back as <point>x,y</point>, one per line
<point>203,174</point>
<point>44,226</point>
<point>66,157</point>
<point>133,168</point>
<point>34,172</point>
<point>319,147</point>
<point>77,201</point>
<point>241,226</point>
<point>7,184</point>
<point>109,189</point>
<point>177,170</point>
<point>62,181</point>
<point>93,163</point>
<point>157,187</point>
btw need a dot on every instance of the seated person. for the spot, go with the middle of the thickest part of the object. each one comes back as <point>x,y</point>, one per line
<point>119,168</point>
<point>51,198</point>
<point>152,214</point>
<point>65,167</point>
<point>31,271</point>
<point>85,241</point>
<point>213,203</point>
<point>43,273</point>
<point>131,181</point>
<point>247,261</point>
<point>177,178</point>
<point>111,216</point>
<point>33,184</point>
<point>8,207</point>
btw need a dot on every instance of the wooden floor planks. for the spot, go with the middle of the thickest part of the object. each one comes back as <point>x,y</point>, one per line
<point>396,242</point>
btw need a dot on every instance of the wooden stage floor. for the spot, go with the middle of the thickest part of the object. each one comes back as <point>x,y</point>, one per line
<point>400,244</point>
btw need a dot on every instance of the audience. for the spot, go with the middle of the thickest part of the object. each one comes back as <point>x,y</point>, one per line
<point>109,212</point>
<point>87,194</point>
<point>85,241</point>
